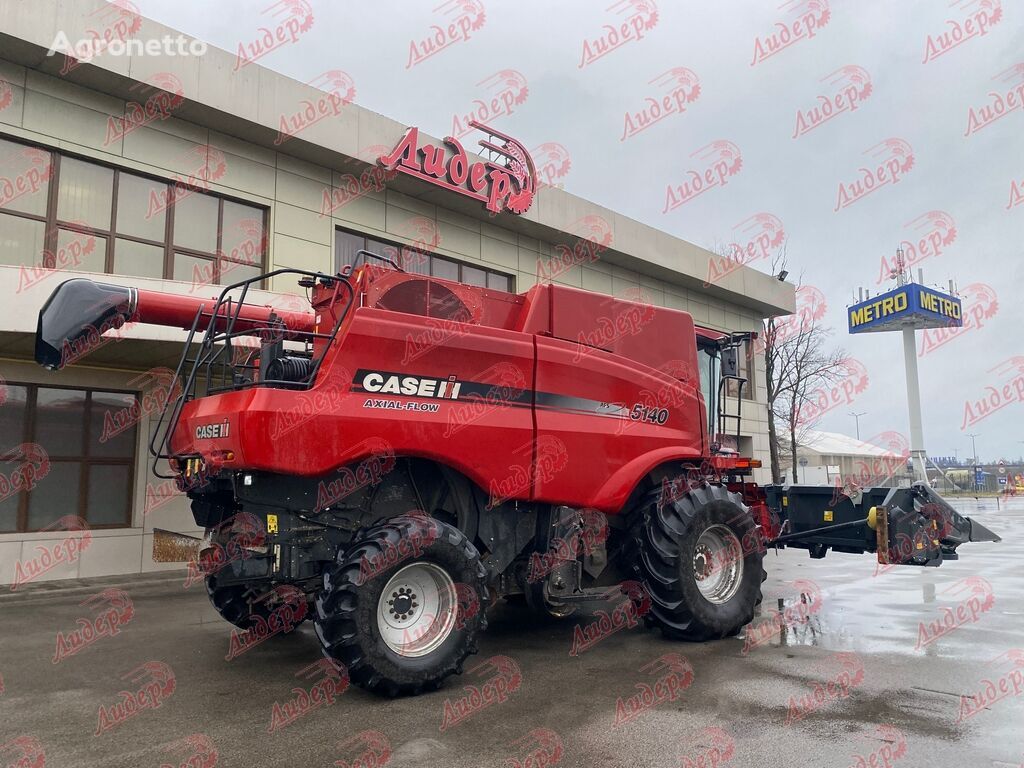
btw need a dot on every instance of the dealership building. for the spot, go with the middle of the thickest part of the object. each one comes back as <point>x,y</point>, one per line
<point>179,173</point>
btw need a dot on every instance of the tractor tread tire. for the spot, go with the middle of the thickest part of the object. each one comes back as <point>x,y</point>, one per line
<point>346,610</point>
<point>663,539</point>
<point>237,604</point>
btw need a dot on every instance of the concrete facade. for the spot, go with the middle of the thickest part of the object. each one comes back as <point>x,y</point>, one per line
<point>226,130</point>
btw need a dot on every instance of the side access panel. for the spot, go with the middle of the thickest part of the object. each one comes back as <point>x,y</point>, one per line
<point>597,413</point>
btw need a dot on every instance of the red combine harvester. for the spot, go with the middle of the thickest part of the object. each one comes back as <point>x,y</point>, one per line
<point>411,449</point>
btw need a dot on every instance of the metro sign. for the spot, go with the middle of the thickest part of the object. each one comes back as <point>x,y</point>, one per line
<point>509,185</point>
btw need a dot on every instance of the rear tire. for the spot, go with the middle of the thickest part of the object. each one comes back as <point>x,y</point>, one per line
<point>700,559</point>
<point>402,627</point>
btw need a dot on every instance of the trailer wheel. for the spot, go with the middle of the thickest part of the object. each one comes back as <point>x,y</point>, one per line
<point>700,558</point>
<point>403,606</point>
<point>242,605</point>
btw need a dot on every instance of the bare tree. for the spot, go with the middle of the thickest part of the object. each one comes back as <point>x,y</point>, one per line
<point>798,366</point>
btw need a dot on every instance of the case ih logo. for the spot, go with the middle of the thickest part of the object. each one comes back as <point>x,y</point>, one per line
<point>847,87</point>
<point>973,19</point>
<point>336,88</point>
<point>890,161</point>
<point>461,19</point>
<point>716,162</point>
<point>291,19</point>
<point>508,90</point>
<point>553,163</point>
<point>1000,102</point>
<point>676,88</point>
<point>758,236</point>
<point>935,231</point>
<point>803,19</point>
<point>979,304</point>
<point>509,186</point>
<point>634,19</point>
<point>210,431</point>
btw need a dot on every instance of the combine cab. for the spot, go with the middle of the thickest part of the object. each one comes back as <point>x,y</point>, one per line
<point>410,448</point>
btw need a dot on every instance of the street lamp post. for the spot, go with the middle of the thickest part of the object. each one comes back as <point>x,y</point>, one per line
<point>974,459</point>
<point>856,417</point>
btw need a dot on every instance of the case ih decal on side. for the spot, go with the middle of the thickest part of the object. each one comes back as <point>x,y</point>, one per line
<point>384,383</point>
<point>499,186</point>
<point>208,431</point>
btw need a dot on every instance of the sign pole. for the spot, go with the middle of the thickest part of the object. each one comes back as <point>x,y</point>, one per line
<point>917,452</point>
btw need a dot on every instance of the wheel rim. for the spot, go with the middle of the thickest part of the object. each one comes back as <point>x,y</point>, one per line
<point>416,611</point>
<point>718,564</point>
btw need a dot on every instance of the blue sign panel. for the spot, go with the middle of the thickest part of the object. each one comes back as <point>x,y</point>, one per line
<point>909,306</point>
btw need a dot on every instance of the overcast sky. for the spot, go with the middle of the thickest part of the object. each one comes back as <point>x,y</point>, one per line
<point>918,94</point>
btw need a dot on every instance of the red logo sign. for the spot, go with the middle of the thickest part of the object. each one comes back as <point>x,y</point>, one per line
<point>509,186</point>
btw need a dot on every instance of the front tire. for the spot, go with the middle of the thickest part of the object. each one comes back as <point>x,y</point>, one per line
<point>701,560</point>
<point>403,606</point>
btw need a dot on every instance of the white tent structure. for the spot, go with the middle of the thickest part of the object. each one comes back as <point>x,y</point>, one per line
<point>824,457</point>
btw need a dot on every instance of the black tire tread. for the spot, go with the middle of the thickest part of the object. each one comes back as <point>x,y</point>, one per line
<point>338,604</point>
<point>657,531</point>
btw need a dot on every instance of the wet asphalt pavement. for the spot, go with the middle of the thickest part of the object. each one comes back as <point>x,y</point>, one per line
<point>860,667</point>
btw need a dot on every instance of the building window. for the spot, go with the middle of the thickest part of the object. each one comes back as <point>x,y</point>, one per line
<point>746,370</point>
<point>63,212</point>
<point>418,260</point>
<point>86,438</point>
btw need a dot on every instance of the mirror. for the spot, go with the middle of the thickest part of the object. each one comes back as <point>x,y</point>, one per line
<point>730,362</point>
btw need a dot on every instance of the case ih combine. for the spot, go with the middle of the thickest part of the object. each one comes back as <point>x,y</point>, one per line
<point>409,449</point>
